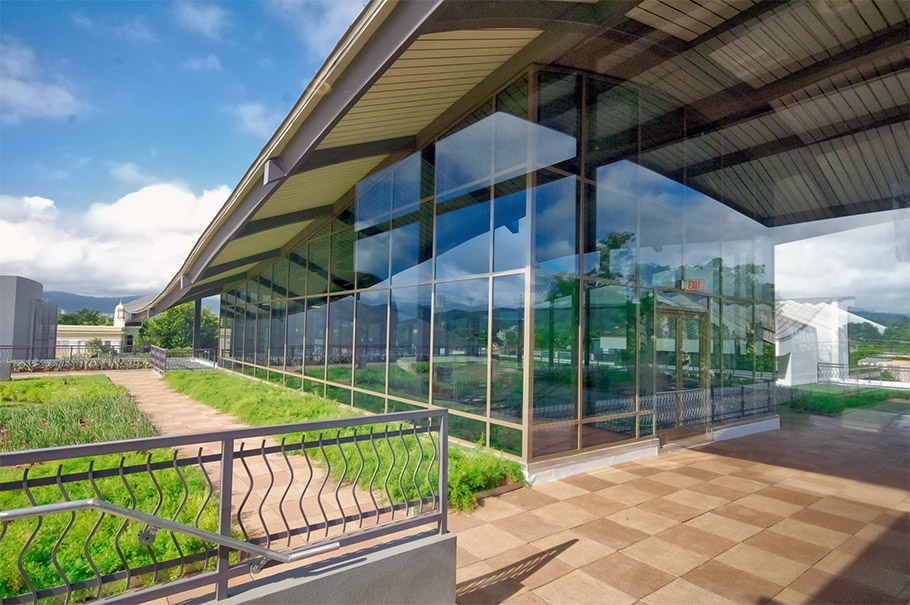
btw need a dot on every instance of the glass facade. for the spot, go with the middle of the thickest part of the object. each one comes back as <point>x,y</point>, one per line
<point>532,271</point>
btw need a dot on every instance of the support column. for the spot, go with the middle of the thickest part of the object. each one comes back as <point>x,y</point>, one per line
<point>197,323</point>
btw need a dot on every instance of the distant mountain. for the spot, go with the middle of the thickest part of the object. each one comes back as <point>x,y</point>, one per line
<point>69,302</point>
<point>878,316</point>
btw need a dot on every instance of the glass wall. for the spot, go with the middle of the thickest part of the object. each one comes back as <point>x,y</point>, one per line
<point>538,270</point>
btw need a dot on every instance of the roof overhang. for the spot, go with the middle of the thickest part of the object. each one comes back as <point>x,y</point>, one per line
<point>776,89</point>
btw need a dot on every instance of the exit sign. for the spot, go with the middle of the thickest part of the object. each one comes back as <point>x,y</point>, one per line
<point>693,284</point>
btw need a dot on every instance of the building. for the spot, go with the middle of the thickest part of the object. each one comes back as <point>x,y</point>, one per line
<point>553,218</point>
<point>28,323</point>
<point>814,331</point>
<point>115,338</point>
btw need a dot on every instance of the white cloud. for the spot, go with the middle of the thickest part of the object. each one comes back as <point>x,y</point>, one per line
<point>208,63</point>
<point>135,244</point>
<point>130,174</point>
<point>83,21</point>
<point>318,24</point>
<point>206,19</point>
<point>864,263</point>
<point>254,118</point>
<point>136,31</point>
<point>28,91</point>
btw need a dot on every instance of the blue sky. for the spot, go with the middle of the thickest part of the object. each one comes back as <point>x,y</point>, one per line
<point>107,108</point>
<point>125,125</point>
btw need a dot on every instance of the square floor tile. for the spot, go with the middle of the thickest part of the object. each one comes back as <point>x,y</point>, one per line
<point>642,520</point>
<point>610,533</point>
<point>628,575</point>
<point>788,547</point>
<point>559,490</point>
<point>565,515</point>
<point>527,498</point>
<point>527,526</point>
<point>763,564</point>
<point>580,588</point>
<point>696,539</point>
<point>681,592</point>
<point>724,526</point>
<point>597,504</point>
<point>665,556</point>
<point>487,540</point>
<point>733,583</point>
<point>810,533</point>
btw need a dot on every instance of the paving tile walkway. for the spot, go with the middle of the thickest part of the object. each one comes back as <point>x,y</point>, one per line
<point>816,513</point>
<point>819,512</point>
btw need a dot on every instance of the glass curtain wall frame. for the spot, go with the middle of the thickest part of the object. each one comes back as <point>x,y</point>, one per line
<point>607,386</point>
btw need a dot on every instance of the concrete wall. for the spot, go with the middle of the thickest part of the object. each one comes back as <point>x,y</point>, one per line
<point>419,569</point>
<point>26,320</point>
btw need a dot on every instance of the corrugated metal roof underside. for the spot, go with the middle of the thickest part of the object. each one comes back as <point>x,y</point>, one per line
<point>235,271</point>
<point>435,71</point>
<point>256,243</point>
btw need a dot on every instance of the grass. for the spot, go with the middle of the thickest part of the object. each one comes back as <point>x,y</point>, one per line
<point>830,399</point>
<point>59,411</point>
<point>260,404</point>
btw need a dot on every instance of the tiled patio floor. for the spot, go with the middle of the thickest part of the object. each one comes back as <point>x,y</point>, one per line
<point>819,512</point>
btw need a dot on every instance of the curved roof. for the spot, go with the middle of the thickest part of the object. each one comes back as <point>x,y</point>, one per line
<point>792,111</point>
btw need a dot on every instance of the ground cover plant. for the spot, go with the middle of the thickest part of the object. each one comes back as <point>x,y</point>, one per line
<point>66,410</point>
<point>260,404</point>
<point>832,399</point>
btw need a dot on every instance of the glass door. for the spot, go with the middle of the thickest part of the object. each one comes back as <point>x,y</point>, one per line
<point>682,371</point>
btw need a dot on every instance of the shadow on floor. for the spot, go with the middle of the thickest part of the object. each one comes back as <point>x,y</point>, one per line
<point>499,585</point>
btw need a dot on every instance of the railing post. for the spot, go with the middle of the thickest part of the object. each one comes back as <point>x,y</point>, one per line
<point>224,517</point>
<point>444,473</point>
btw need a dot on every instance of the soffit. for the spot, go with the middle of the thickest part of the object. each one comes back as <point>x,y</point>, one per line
<point>256,243</point>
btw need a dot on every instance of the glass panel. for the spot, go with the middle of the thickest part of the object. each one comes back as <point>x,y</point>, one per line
<point>738,342</point>
<point>276,334</point>
<point>398,406</point>
<point>493,150</point>
<point>297,272</point>
<point>345,218</point>
<point>612,125</point>
<point>460,345</point>
<point>249,334</point>
<point>474,431</point>
<point>370,353</point>
<point>314,388</point>
<point>280,278</point>
<point>611,228</point>
<point>371,256</point>
<point>661,229</point>
<point>265,284</point>
<point>764,342</point>
<point>412,246</point>
<point>293,382</point>
<point>409,346</point>
<point>714,343</point>
<point>609,357</point>
<point>553,440</point>
<point>557,106</point>
<point>276,377</point>
<point>763,271</point>
<point>391,191</point>
<point>505,439</point>
<point>555,348</point>
<point>340,353</point>
<point>507,354</point>
<point>339,394</point>
<point>463,236</point>
<point>646,350</point>
<point>237,334</point>
<point>554,225</point>
<point>510,224</point>
<point>314,345</point>
<point>296,314</point>
<point>665,332</point>
<point>262,336</point>
<point>240,292</point>
<point>645,425</point>
<point>342,277</point>
<point>737,255</point>
<point>252,290</point>
<point>701,250</point>
<point>608,431</point>
<point>318,267</point>
<point>514,99</point>
<point>370,403</point>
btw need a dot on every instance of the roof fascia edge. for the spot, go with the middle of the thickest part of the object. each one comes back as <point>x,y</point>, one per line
<point>368,63</point>
<point>371,61</point>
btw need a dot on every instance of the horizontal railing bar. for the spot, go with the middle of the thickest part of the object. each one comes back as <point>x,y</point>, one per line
<point>112,577</point>
<point>169,464</point>
<point>160,523</point>
<point>159,591</point>
<point>351,518</point>
<point>152,443</point>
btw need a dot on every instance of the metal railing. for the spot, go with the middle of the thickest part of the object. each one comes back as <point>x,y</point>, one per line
<point>181,359</point>
<point>691,407</point>
<point>60,351</point>
<point>841,373</point>
<point>229,502</point>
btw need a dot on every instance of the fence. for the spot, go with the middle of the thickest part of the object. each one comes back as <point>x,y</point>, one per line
<point>692,407</point>
<point>181,359</point>
<point>872,376</point>
<point>240,499</point>
<point>83,351</point>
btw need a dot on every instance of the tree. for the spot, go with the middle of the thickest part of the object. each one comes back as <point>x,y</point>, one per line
<point>84,317</point>
<point>173,329</point>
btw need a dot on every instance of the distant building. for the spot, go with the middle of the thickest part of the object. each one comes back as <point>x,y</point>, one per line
<point>811,331</point>
<point>118,337</point>
<point>28,323</point>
